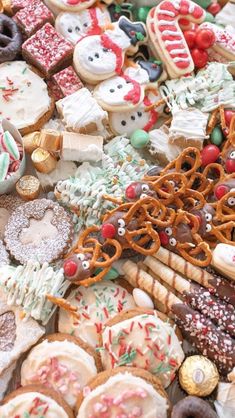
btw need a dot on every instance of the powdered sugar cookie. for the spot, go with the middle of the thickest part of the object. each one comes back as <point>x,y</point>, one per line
<point>166,36</point>
<point>25,101</point>
<point>126,91</point>
<point>39,230</point>
<point>8,204</point>
<point>99,57</point>
<point>127,122</point>
<point>224,40</point>
<point>74,26</point>
<point>63,363</point>
<point>124,392</point>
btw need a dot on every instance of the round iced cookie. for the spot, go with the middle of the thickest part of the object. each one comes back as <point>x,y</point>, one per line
<point>75,6</point>
<point>124,393</point>
<point>146,342</point>
<point>223,259</point>
<point>96,305</point>
<point>63,363</point>
<point>35,401</point>
<point>24,98</point>
<point>73,26</point>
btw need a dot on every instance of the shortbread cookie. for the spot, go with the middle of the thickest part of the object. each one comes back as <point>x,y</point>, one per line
<point>123,392</point>
<point>129,338</point>
<point>99,57</point>
<point>73,26</point>
<point>81,113</point>
<point>223,260</point>
<point>160,147</point>
<point>167,37</point>
<point>8,203</point>
<point>96,305</point>
<point>63,363</point>
<point>35,400</point>
<point>40,230</point>
<point>16,335</point>
<point>25,101</point>
<point>78,147</point>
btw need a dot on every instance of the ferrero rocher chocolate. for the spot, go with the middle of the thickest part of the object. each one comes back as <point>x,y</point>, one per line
<point>198,376</point>
<point>31,142</point>
<point>50,140</point>
<point>28,187</point>
<point>43,161</point>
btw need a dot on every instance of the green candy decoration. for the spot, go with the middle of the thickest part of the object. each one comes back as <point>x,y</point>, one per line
<point>216,136</point>
<point>4,165</point>
<point>209,18</point>
<point>111,275</point>
<point>203,3</point>
<point>142,13</point>
<point>139,138</point>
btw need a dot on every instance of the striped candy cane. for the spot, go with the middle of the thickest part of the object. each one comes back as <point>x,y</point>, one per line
<point>167,35</point>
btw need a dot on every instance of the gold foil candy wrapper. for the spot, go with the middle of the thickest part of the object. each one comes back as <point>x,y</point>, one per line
<point>50,140</point>
<point>198,376</point>
<point>28,187</point>
<point>31,142</point>
<point>43,161</point>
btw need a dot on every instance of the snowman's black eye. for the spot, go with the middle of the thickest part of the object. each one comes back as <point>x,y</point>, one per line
<point>90,59</point>
<point>128,82</point>
<point>119,86</point>
<point>139,114</point>
<point>77,28</point>
<point>85,25</point>
<point>70,30</point>
<point>105,49</point>
<point>97,55</point>
<point>112,90</point>
<point>132,117</point>
<point>123,122</point>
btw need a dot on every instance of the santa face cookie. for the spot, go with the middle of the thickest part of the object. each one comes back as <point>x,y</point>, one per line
<point>99,57</point>
<point>127,122</point>
<point>75,6</point>
<point>74,26</point>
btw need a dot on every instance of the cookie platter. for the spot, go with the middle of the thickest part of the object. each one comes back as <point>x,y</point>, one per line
<point>117,209</point>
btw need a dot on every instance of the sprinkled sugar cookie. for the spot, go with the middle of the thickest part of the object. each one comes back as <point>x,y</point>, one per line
<point>124,392</point>
<point>4,257</point>
<point>24,99</point>
<point>130,337</point>
<point>96,305</point>
<point>63,363</point>
<point>39,230</point>
<point>8,204</point>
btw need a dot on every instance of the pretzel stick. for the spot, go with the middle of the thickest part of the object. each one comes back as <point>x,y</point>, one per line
<point>64,304</point>
<point>154,105</point>
<point>139,278</point>
<point>222,117</point>
<point>212,121</point>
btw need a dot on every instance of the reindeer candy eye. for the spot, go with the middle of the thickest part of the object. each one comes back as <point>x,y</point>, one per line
<point>232,155</point>
<point>176,189</point>
<point>208,228</point>
<point>208,217</point>
<point>145,188</point>
<point>85,265</point>
<point>168,231</point>
<point>172,242</point>
<point>80,256</point>
<point>231,201</point>
<point>121,223</point>
<point>172,183</point>
<point>121,232</point>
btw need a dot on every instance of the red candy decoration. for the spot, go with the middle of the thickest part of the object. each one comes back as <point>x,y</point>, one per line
<point>228,114</point>
<point>108,231</point>
<point>130,191</point>
<point>200,57</point>
<point>230,166</point>
<point>221,191</point>
<point>214,8</point>
<point>190,36</point>
<point>209,154</point>
<point>204,38</point>
<point>163,238</point>
<point>70,268</point>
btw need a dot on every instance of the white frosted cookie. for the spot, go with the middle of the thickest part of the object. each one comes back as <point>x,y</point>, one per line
<point>96,305</point>
<point>24,98</point>
<point>75,6</point>
<point>223,260</point>
<point>124,395</point>
<point>60,365</point>
<point>224,40</point>
<point>226,15</point>
<point>73,26</point>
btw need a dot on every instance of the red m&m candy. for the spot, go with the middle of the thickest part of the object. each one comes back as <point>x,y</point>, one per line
<point>190,36</point>
<point>70,268</point>
<point>200,57</point>
<point>220,191</point>
<point>209,154</point>
<point>108,231</point>
<point>230,165</point>
<point>214,8</point>
<point>228,114</point>
<point>204,38</point>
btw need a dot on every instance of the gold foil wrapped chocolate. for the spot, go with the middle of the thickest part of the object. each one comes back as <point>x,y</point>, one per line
<point>198,376</point>
<point>50,140</point>
<point>31,142</point>
<point>43,161</point>
<point>28,187</point>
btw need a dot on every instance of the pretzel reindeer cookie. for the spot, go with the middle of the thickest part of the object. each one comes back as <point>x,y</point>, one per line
<point>127,90</point>
<point>99,57</point>
<point>166,36</point>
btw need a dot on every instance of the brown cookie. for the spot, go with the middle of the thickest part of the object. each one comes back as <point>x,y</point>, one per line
<point>40,390</point>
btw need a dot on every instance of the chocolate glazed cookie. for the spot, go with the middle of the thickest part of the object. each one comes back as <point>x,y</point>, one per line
<point>193,407</point>
<point>10,39</point>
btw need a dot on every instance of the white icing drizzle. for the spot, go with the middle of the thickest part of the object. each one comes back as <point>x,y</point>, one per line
<point>163,22</point>
<point>167,12</point>
<point>178,51</point>
<point>179,59</point>
<point>28,286</point>
<point>171,32</point>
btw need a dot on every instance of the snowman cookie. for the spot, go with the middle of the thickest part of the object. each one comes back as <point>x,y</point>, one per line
<point>99,57</point>
<point>74,26</point>
<point>75,6</point>
<point>127,91</point>
<point>127,122</point>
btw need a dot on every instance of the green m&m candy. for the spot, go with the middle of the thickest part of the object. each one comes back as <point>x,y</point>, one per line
<point>209,18</point>
<point>216,136</point>
<point>139,138</point>
<point>142,13</point>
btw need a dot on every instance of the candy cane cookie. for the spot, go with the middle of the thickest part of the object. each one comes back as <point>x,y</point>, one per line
<point>167,37</point>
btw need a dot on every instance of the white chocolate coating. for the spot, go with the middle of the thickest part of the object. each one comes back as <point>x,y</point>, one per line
<point>223,260</point>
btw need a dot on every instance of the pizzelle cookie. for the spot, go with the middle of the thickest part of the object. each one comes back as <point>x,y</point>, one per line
<point>129,338</point>
<point>63,363</point>
<point>35,400</point>
<point>125,391</point>
<point>25,101</point>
